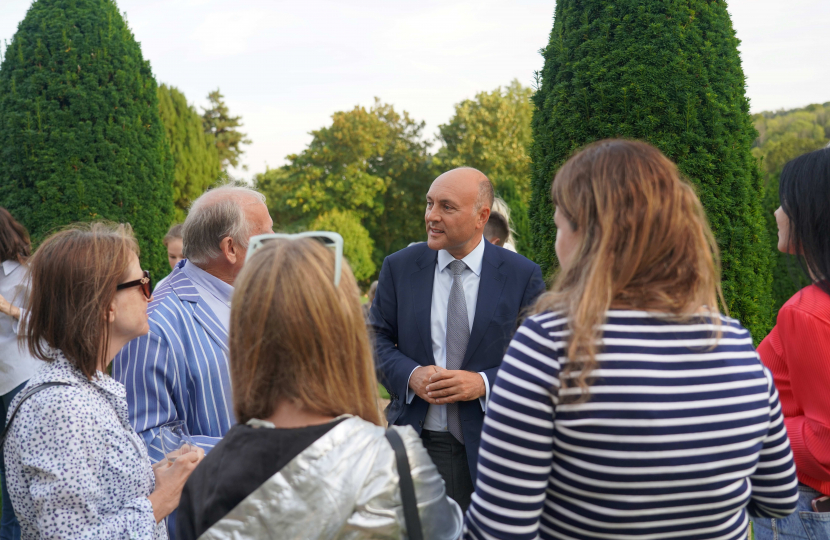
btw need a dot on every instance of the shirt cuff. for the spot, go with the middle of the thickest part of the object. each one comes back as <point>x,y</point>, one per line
<point>486,398</point>
<point>410,393</point>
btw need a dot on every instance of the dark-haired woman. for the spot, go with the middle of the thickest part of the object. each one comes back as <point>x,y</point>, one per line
<point>16,364</point>
<point>75,467</point>
<point>627,407</point>
<point>797,351</point>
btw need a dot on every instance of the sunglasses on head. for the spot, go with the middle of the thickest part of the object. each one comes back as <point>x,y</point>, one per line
<point>327,238</point>
<point>145,283</point>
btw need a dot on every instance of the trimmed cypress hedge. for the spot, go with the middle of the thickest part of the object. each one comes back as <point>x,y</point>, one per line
<point>667,72</point>
<point>80,135</point>
<point>194,152</point>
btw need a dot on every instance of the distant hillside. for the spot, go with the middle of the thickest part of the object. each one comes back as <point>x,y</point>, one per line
<point>782,136</point>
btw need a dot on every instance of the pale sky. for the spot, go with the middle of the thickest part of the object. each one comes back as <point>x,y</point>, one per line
<point>286,66</point>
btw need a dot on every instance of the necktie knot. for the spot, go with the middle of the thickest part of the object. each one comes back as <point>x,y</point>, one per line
<point>457,267</point>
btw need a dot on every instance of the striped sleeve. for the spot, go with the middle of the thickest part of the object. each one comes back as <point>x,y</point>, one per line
<point>147,368</point>
<point>774,484</point>
<point>516,453</point>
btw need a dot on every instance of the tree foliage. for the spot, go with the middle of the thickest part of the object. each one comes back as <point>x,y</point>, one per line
<point>492,133</point>
<point>218,122</point>
<point>357,245</point>
<point>782,136</point>
<point>667,72</point>
<point>194,152</point>
<point>80,134</point>
<point>372,163</point>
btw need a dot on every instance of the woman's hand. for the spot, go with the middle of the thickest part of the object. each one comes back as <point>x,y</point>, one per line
<point>170,479</point>
<point>7,308</point>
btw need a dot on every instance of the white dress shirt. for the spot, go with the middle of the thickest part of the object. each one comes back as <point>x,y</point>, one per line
<point>436,419</point>
<point>16,364</point>
<point>213,290</point>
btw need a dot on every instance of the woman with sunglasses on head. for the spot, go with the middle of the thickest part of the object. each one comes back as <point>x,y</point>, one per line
<point>76,468</point>
<point>797,351</point>
<point>627,406</point>
<point>309,459</point>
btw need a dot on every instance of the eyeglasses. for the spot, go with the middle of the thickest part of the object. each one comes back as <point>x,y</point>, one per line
<point>329,239</point>
<point>145,283</point>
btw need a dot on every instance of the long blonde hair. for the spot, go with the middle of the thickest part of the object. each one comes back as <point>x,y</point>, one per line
<point>644,243</point>
<point>294,336</point>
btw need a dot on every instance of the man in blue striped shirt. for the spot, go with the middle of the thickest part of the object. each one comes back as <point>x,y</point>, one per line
<point>179,370</point>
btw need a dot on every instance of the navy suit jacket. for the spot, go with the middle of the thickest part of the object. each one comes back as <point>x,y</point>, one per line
<point>400,318</point>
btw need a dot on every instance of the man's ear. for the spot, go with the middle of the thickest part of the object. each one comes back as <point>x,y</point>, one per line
<point>483,216</point>
<point>229,249</point>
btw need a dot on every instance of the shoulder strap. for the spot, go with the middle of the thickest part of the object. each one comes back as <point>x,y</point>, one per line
<point>410,503</point>
<point>29,393</point>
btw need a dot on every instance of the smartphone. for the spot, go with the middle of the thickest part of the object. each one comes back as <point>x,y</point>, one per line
<point>821,504</point>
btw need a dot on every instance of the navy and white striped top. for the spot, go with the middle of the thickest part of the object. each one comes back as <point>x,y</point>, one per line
<point>678,439</point>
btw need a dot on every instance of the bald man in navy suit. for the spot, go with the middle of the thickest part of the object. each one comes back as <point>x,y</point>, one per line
<point>443,316</point>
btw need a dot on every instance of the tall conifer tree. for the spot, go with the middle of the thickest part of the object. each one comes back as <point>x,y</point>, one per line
<point>667,72</point>
<point>194,151</point>
<point>80,135</point>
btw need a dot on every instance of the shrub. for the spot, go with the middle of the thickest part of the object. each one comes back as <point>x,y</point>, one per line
<point>80,134</point>
<point>357,245</point>
<point>669,73</point>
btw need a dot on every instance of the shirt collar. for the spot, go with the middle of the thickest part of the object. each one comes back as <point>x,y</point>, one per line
<point>473,260</point>
<point>218,288</point>
<point>10,266</point>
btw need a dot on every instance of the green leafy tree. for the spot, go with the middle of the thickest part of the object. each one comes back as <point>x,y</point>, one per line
<point>667,72</point>
<point>373,163</point>
<point>492,133</point>
<point>785,135</point>
<point>80,134</point>
<point>357,245</point>
<point>218,122</point>
<point>194,152</point>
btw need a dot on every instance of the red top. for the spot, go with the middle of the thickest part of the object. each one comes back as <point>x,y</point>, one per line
<point>797,352</point>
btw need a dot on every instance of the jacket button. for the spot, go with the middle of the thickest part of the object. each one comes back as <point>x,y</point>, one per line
<point>420,423</point>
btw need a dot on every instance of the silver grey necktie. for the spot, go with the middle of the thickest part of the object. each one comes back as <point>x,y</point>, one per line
<point>458,334</point>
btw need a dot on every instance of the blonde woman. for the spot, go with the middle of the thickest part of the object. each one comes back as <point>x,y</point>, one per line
<point>500,207</point>
<point>309,458</point>
<point>628,407</point>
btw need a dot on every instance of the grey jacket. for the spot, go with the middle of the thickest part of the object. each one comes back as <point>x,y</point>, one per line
<point>345,487</point>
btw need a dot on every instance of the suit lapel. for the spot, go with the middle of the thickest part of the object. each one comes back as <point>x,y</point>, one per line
<point>187,292</point>
<point>422,281</point>
<point>491,284</point>
<point>205,316</point>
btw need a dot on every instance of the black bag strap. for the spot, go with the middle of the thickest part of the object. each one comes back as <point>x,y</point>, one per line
<point>410,503</point>
<point>29,393</point>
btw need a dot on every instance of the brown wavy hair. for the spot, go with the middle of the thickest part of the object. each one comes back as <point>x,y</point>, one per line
<point>295,337</point>
<point>74,274</point>
<point>14,239</point>
<point>644,244</point>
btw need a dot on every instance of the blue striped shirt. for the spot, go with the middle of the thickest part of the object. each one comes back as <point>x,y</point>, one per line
<point>681,436</point>
<point>179,370</point>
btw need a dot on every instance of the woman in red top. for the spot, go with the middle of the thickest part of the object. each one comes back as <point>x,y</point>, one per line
<point>797,351</point>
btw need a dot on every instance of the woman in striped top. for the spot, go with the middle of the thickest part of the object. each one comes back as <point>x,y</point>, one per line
<point>627,407</point>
